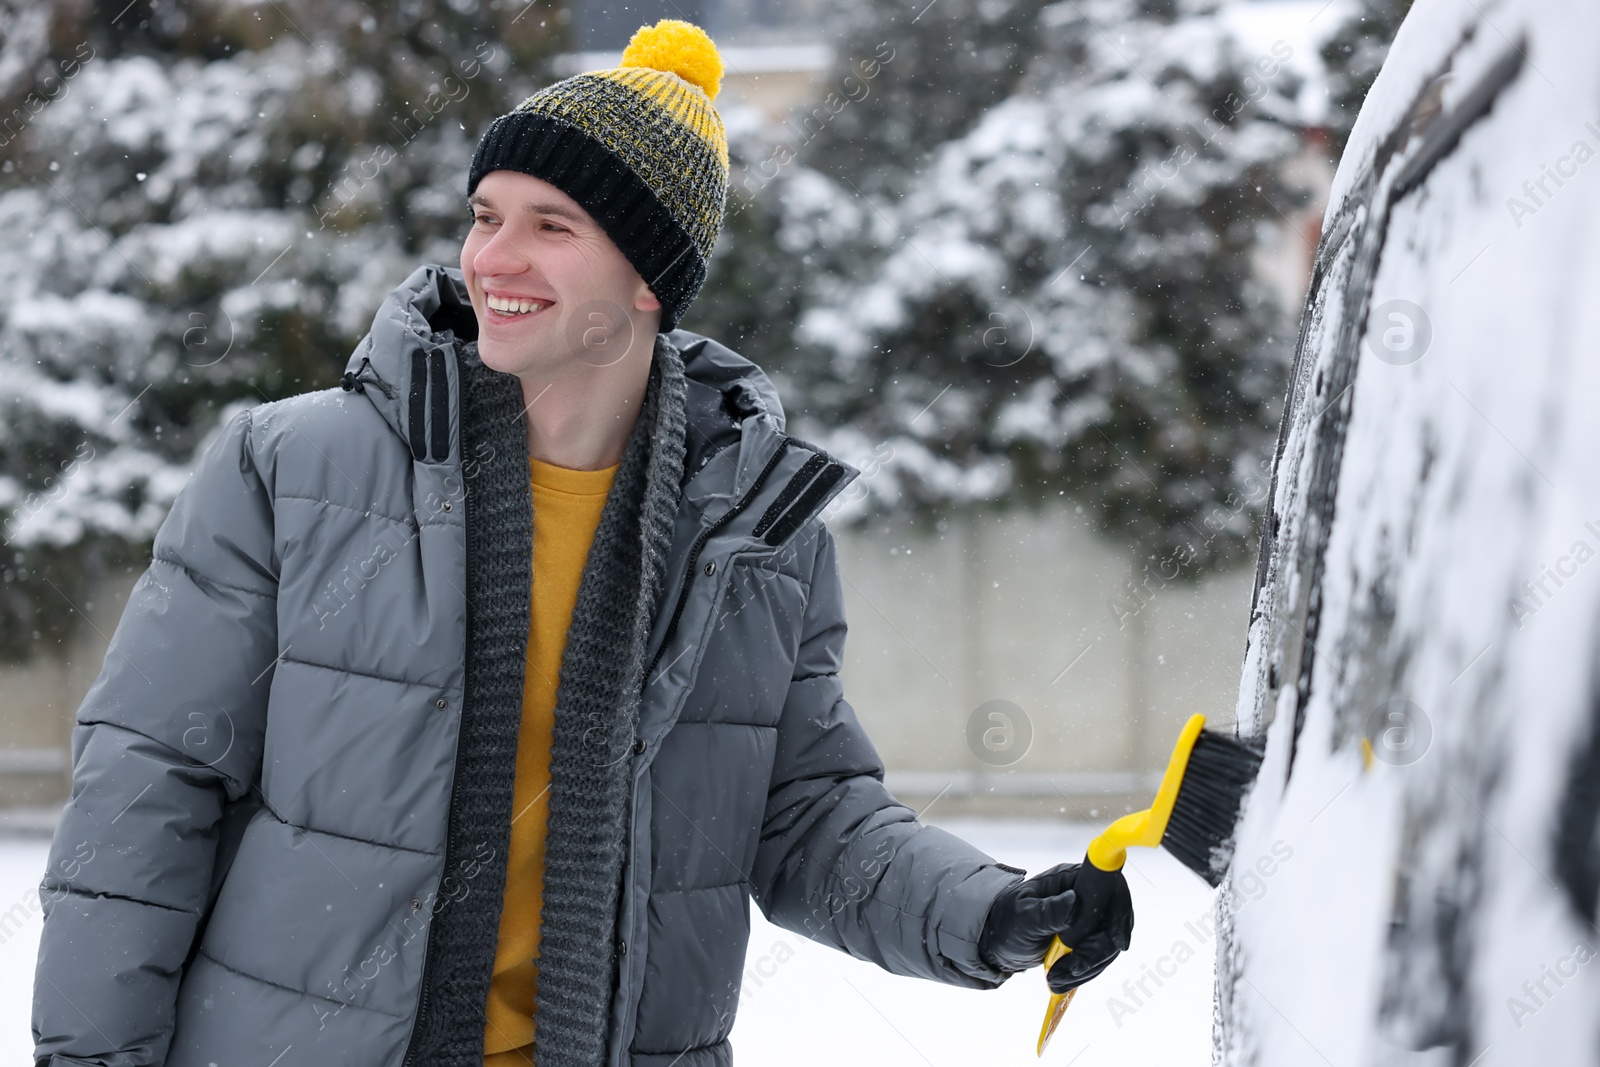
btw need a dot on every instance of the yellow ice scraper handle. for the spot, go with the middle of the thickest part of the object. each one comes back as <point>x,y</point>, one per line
<point>1108,853</point>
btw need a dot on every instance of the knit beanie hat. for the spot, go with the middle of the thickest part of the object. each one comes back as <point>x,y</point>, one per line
<point>640,147</point>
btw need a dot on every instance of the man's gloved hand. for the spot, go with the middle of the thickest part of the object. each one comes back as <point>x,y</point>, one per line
<point>1023,919</point>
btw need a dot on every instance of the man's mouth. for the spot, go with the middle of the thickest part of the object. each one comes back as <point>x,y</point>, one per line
<point>511,307</point>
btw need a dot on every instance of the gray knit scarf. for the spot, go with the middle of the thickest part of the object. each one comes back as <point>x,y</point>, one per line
<point>596,715</point>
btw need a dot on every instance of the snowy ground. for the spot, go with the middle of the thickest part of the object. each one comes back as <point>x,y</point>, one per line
<point>805,1004</point>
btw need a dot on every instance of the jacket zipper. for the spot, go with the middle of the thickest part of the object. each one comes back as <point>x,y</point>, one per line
<point>451,837</point>
<point>694,557</point>
<point>422,1004</point>
<point>700,543</point>
<point>427,945</point>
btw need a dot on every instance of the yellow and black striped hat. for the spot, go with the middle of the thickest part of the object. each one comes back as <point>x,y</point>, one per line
<point>640,147</point>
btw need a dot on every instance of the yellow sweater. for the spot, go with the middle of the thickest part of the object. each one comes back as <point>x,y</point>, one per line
<point>566,511</point>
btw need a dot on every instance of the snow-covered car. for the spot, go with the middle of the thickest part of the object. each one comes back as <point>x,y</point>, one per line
<point>1421,656</point>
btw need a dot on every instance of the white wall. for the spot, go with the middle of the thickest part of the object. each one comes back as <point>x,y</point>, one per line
<point>1036,609</point>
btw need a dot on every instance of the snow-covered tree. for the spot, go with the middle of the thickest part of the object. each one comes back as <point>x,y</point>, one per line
<point>934,68</point>
<point>753,289</point>
<point>906,78</point>
<point>203,203</point>
<point>1057,296</point>
<point>1353,56</point>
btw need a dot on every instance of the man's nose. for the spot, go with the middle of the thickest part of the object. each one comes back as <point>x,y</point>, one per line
<point>500,256</point>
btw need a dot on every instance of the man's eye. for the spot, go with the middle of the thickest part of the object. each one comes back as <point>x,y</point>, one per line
<point>556,227</point>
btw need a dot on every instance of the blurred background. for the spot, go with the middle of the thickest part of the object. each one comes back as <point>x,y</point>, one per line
<point>1034,267</point>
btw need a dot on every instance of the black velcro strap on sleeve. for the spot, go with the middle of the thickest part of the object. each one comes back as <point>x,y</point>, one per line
<point>802,477</point>
<point>417,403</point>
<point>439,399</point>
<point>804,507</point>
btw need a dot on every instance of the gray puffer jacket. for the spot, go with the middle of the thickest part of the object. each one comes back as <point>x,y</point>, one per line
<point>291,780</point>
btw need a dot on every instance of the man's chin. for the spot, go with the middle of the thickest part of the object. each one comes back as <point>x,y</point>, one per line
<point>512,357</point>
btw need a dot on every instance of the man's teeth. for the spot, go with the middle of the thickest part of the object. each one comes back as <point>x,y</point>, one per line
<point>510,306</point>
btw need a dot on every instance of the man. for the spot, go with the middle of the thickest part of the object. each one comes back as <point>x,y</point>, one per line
<point>459,712</point>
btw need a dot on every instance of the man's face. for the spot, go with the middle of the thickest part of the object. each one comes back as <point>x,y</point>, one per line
<point>532,247</point>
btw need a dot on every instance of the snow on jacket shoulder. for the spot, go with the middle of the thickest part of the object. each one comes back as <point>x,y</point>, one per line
<point>264,770</point>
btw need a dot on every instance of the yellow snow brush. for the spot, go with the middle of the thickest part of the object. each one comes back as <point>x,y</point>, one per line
<point>1193,817</point>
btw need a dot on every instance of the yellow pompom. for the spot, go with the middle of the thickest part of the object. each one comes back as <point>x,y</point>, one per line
<point>680,48</point>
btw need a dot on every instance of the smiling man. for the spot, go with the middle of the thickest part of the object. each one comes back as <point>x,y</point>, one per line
<point>561,309</point>
<point>461,712</point>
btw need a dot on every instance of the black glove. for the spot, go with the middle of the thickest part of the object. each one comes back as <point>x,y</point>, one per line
<point>1093,913</point>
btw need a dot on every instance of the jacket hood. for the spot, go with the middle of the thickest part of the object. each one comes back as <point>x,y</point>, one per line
<point>406,366</point>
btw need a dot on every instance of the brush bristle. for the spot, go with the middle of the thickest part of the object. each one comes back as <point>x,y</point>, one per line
<point>1220,773</point>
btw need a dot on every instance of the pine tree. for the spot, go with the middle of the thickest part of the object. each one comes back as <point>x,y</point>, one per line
<point>205,201</point>
<point>940,64</point>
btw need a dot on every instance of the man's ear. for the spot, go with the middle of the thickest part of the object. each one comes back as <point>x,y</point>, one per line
<point>645,300</point>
